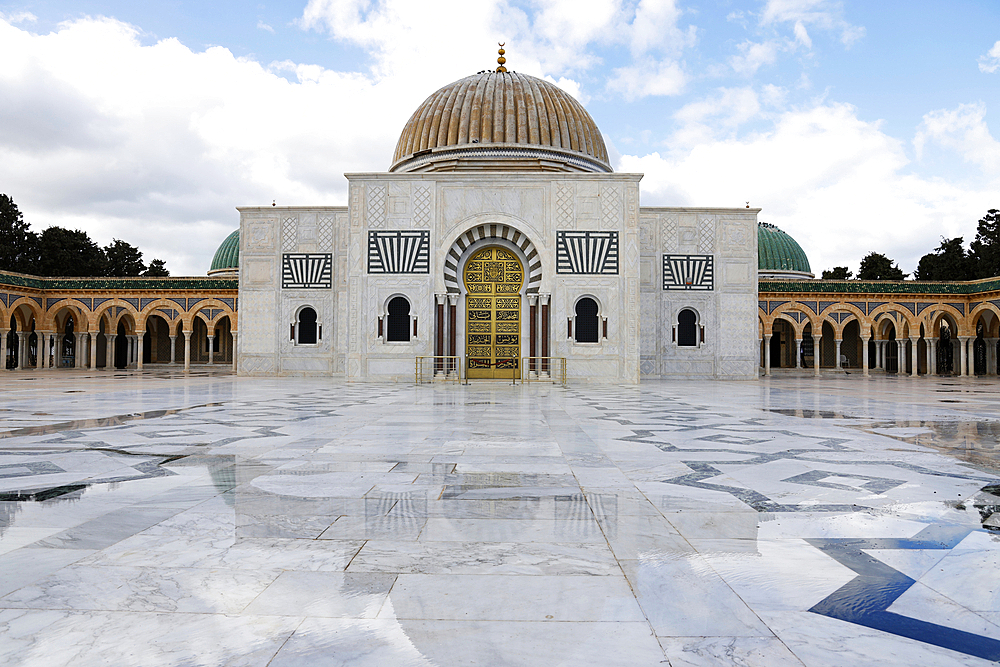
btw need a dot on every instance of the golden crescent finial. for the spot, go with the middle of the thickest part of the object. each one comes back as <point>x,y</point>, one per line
<point>501,60</point>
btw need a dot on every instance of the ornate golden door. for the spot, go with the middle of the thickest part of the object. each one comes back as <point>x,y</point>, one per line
<point>493,278</point>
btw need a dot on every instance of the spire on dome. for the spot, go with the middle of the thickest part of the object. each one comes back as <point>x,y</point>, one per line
<point>501,60</point>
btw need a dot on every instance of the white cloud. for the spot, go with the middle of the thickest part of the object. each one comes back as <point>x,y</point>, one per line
<point>753,56</point>
<point>648,77</point>
<point>157,144</point>
<point>263,26</point>
<point>823,14</point>
<point>18,17</point>
<point>962,130</point>
<point>838,184</point>
<point>990,61</point>
<point>802,36</point>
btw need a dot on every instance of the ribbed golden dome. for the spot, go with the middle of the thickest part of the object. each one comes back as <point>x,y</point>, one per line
<point>503,121</point>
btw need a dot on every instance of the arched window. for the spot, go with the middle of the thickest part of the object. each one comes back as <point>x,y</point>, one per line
<point>398,328</point>
<point>687,328</point>
<point>305,328</point>
<point>587,329</point>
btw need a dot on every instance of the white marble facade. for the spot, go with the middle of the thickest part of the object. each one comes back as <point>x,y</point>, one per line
<point>525,212</point>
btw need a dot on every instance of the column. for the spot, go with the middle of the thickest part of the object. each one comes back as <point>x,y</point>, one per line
<point>901,356</point>
<point>453,365</point>
<point>138,350</point>
<point>544,301</point>
<point>234,351</point>
<point>173,349</point>
<point>439,300</point>
<point>767,354</point>
<point>816,352</point>
<point>796,349</point>
<point>864,355</point>
<point>532,332</point>
<point>963,356</point>
<point>211,349</point>
<point>187,350</point>
<point>22,349</point>
<point>110,343</point>
<point>914,357</point>
<point>879,352</point>
<point>93,350</point>
<point>42,349</point>
<point>836,352</point>
<point>3,347</point>
<point>59,340</point>
<point>931,356</point>
<point>991,356</point>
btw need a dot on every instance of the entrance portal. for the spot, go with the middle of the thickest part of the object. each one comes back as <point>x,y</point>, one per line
<point>493,279</point>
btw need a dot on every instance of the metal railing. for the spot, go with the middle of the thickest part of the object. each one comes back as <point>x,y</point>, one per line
<point>439,369</point>
<point>544,369</point>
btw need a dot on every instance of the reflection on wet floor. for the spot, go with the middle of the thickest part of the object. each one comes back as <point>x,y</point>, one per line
<point>299,521</point>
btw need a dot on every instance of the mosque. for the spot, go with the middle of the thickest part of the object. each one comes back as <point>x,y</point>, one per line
<point>501,244</point>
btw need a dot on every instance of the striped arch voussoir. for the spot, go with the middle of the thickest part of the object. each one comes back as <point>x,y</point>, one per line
<point>483,234</point>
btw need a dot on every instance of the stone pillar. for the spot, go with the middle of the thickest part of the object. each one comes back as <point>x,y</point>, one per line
<point>3,347</point>
<point>453,366</point>
<point>439,301</point>
<point>796,349</point>
<point>42,349</point>
<point>817,340</point>
<point>836,352</point>
<point>901,356</point>
<point>111,342</point>
<point>22,349</point>
<point>864,355</point>
<point>138,351</point>
<point>234,351</point>
<point>211,349</point>
<point>962,350</point>
<point>991,356</point>
<point>914,357</point>
<point>173,349</point>
<point>931,356</point>
<point>767,354</point>
<point>532,333</point>
<point>58,340</point>
<point>93,350</point>
<point>187,350</point>
<point>544,301</point>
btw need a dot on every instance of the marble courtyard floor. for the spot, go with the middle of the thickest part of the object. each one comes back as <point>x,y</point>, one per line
<point>157,519</point>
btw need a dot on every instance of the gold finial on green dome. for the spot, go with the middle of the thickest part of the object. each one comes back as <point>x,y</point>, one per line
<point>501,60</point>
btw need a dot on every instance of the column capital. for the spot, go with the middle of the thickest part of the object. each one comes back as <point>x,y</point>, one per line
<point>767,336</point>
<point>914,339</point>
<point>439,299</point>
<point>453,298</point>
<point>965,338</point>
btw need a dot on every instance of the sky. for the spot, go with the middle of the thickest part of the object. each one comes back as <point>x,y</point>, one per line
<point>854,126</point>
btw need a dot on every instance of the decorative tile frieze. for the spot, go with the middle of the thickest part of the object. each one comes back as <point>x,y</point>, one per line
<point>306,271</point>
<point>587,253</point>
<point>689,272</point>
<point>399,252</point>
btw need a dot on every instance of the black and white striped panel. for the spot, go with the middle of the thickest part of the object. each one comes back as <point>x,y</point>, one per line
<point>594,253</point>
<point>399,252</point>
<point>694,272</point>
<point>484,234</point>
<point>306,271</point>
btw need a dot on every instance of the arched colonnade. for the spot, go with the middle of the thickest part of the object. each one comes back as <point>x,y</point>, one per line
<point>904,338</point>
<point>128,332</point>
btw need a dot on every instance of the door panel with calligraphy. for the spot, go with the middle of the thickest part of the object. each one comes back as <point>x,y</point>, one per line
<point>493,279</point>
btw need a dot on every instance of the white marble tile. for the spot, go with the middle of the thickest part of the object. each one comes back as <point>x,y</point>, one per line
<point>407,643</point>
<point>923,603</point>
<point>25,566</point>
<point>511,598</point>
<point>682,596</point>
<point>970,578</point>
<point>513,530</point>
<point>79,587</point>
<point>324,594</point>
<point>484,558</point>
<point>92,639</point>
<point>728,652</point>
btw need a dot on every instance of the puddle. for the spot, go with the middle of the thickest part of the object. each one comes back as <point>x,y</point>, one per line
<point>976,442</point>
<point>809,414</point>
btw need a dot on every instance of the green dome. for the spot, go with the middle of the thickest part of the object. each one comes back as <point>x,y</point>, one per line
<point>228,254</point>
<point>778,252</point>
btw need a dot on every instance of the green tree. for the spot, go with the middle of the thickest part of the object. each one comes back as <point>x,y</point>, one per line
<point>837,273</point>
<point>985,249</point>
<point>157,269</point>
<point>949,261</point>
<point>876,266</point>
<point>65,252</point>
<point>124,260</point>
<point>18,244</point>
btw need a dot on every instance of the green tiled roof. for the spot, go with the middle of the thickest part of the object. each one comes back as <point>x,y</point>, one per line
<point>878,286</point>
<point>777,251</point>
<point>228,254</point>
<point>36,282</point>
